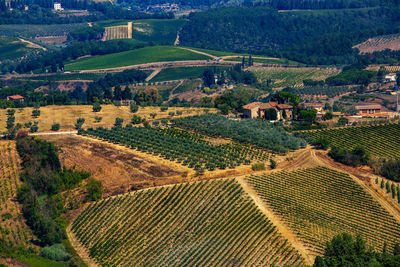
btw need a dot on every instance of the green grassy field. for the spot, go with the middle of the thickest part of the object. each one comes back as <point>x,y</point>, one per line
<point>160,31</point>
<point>32,30</point>
<point>182,73</point>
<point>11,48</point>
<point>135,57</point>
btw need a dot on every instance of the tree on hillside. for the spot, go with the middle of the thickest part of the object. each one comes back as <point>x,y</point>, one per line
<point>208,77</point>
<point>126,93</point>
<point>117,93</point>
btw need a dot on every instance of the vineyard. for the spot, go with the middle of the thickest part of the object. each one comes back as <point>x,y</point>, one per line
<point>12,226</point>
<point>255,132</point>
<point>321,91</point>
<point>181,146</point>
<point>380,43</point>
<point>393,68</point>
<point>292,77</point>
<point>378,140</point>
<point>118,32</point>
<point>318,203</point>
<point>195,224</point>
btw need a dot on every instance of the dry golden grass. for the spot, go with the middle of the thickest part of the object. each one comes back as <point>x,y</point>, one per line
<point>66,116</point>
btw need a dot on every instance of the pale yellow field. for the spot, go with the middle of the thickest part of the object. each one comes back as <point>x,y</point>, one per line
<point>66,116</point>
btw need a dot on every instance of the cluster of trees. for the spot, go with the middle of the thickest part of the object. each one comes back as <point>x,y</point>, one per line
<point>345,250</point>
<point>356,157</point>
<point>43,180</point>
<point>352,76</point>
<point>40,12</point>
<point>86,33</point>
<point>308,37</point>
<point>54,60</point>
<point>235,74</point>
<point>389,168</point>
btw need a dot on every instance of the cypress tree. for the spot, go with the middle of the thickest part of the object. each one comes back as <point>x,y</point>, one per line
<point>393,191</point>
<point>387,187</point>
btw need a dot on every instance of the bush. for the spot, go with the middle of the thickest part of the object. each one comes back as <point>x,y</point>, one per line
<point>133,107</point>
<point>55,127</point>
<point>118,121</point>
<point>55,252</point>
<point>96,107</point>
<point>136,119</point>
<point>94,189</point>
<point>258,166</point>
<point>155,123</point>
<point>34,128</point>
<point>79,123</point>
<point>356,157</point>
<point>35,113</point>
<point>98,118</point>
<point>322,143</point>
<point>10,112</point>
<point>163,108</point>
<point>272,164</point>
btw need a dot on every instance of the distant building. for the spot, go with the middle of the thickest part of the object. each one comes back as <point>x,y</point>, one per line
<point>370,110</point>
<point>391,77</point>
<point>57,6</point>
<point>316,107</point>
<point>258,109</point>
<point>15,98</point>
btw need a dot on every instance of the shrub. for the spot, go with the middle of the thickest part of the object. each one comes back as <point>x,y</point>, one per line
<point>153,115</point>
<point>258,166</point>
<point>272,164</point>
<point>10,112</point>
<point>171,113</point>
<point>35,113</point>
<point>34,128</point>
<point>55,252</point>
<point>155,123</point>
<point>133,107</point>
<point>136,119</point>
<point>55,127</point>
<point>98,118</point>
<point>322,143</point>
<point>179,112</point>
<point>118,121</point>
<point>79,123</point>
<point>94,189</point>
<point>163,108</point>
<point>96,107</point>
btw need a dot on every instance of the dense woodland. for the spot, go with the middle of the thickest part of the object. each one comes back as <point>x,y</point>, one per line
<point>320,37</point>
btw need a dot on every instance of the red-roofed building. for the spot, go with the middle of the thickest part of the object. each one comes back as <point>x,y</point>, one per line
<point>257,110</point>
<point>15,98</point>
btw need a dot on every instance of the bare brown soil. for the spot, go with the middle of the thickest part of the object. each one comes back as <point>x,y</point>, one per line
<point>379,44</point>
<point>12,262</point>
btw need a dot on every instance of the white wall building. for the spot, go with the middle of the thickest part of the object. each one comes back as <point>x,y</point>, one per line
<point>57,7</point>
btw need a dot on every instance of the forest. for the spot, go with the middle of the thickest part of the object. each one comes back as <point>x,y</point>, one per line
<point>323,37</point>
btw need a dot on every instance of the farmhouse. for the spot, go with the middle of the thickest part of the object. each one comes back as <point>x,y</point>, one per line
<point>258,110</point>
<point>15,98</point>
<point>316,107</point>
<point>57,7</point>
<point>391,77</point>
<point>370,110</point>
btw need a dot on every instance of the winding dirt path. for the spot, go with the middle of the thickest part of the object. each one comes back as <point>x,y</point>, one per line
<point>32,45</point>
<point>153,74</point>
<point>81,250</point>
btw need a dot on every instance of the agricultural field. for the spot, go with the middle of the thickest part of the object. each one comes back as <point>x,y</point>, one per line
<point>188,149</point>
<point>379,43</point>
<point>168,227</point>
<point>255,132</point>
<point>319,203</point>
<point>182,73</point>
<point>33,30</point>
<point>66,116</point>
<point>292,77</point>
<point>321,91</point>
<point>12,224</point>
<point>64,77</point>
<point>266,60</point>
<point>379,140</point>
<point>135,57</point>
<point>13,48</point>
<point>159,31</point>
<point>393,68</point>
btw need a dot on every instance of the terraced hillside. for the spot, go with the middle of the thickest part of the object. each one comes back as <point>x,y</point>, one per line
<point>204,223</point>
<point>318,203</point>
<point>378,140</point>
<point>12,225</point>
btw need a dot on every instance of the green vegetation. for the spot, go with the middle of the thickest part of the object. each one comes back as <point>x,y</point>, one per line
<point>280,61</point>
<point>177,145</point>
<point>159,31</point>
<point>65,77</point>
<point>31,31</point>
<point>321,91</point>
<point>344,250</point>
<point>182,73</point>
<point>378,140</point>
<point>256,132</point>
<point>281,78</point>
<point>13,48</point>
<point>179,231</point>
<point>135,57</point>
<point>319,203</point>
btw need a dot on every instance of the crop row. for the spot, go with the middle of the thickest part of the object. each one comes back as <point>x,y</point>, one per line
<point>12,225</point>
<point>318,203</point>
<point>177,145</point>
<point>328,91</point>
<point>378,140</point>
<point>195,224</point>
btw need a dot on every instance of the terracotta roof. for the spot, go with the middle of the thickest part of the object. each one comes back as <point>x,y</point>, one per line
<point>274,104</point>
<point>284,106</point>
<point>372,106</point>
<point>16,97</point>
<point>265,106</point>
<point>252,105</point>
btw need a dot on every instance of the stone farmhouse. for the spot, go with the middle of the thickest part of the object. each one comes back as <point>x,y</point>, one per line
<point>257,110</point>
